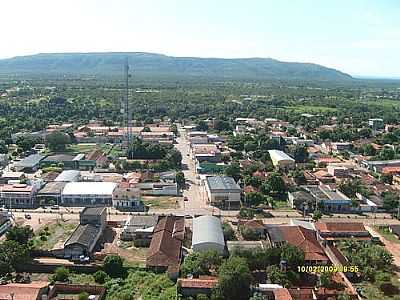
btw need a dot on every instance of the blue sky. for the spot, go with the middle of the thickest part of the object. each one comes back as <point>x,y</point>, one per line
<point>360,37</point>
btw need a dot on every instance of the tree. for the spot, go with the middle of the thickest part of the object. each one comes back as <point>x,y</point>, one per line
<point>3,147</point>
<point>293,256</point>
<point>57,140</point>
<point>275,185</point>
<point>234,279</point>
<point>276,275</point>
<point>11,254</point>
<point>317,215</point>
<point>202,126</point>
<point>61,274</point>
<point>300,154</point>
<point>20,234</point>
<point>180,180</point>
<point>83,296</point>
<point>100,276</point>
<point>253,199</point>
<point>390,200</point>
<point>233,170</point>
<point>229,233</point>
<point>113,266</point>
<point>249,234</point>
<point>26,142</point>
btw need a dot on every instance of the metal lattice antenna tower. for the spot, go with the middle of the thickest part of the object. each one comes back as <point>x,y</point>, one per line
<point>127,112</point>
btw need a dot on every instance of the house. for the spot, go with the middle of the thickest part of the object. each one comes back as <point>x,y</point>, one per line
<point>329,200</point>
<point>98,157</point>
<point>324,177</point>
<point>301,200</point>
<point>17,195</point>
<point>92,222</point>
<point>126,198</point>
<point>157,188</point>
<point>29,164</point>
<point>139,228</point>
<point>378,165</point>
<point>206,152</point>
<point>207,234</point>
<point>332,231</point>
<point>376,123</point>
<point>323,161</point>
<point>300,237</point>
<point>165,251</point>
<point>24,291</point>
<point>88,193</point>
<point>281,160</point>
<point>191,287</point>
<point>7,176</point>
<point>158,137</point>
<point>341,146</point>
<point>223,191</point>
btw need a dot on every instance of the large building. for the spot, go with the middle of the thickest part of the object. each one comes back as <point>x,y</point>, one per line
<point>281,160</point>
<point>223,191</point>
<point>165,252</point>
<point>88,193</point>
<point>207,234</point>
<point>17,195</point>
<point>92,222</point>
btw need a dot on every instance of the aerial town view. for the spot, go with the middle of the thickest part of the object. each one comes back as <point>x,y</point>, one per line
<point>194,150</point>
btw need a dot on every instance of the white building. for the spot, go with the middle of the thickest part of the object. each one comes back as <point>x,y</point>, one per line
<point>207,234</point>
<point>281,160</point>
<point>223,191</point>
<point>88,193</point>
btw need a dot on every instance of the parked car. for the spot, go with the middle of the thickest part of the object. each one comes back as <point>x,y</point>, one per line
<point>185,198</point>
<point>55,207</point>
<point>28,216</point>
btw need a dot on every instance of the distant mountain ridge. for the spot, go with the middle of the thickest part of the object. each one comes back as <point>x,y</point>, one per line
<point>158,65</point>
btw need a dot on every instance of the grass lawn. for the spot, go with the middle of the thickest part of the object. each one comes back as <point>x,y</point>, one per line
<point>81,278</point>
<point>161,202</point>
<point>384,231</point>
<point>281,205</point>
<point>56,232</point>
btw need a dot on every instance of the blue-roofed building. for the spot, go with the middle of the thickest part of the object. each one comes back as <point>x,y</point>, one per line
<point>223,192</point>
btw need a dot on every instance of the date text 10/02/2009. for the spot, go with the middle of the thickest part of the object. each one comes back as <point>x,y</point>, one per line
<point>327,269</point>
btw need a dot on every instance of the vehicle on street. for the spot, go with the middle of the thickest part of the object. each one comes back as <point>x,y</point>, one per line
<point>28,216</point>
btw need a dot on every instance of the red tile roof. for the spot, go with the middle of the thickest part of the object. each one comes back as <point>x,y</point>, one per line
<point>254,224</point>
<point>198,283</point>
<point>340,227</point>
<point>22,291</point>
<point>306,240</point>
<point>391,170</point>
<point>166,243</point>
<point>282,294</point>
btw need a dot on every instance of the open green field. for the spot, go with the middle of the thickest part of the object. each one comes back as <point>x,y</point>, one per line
<point>384,231</point>
<point>49,235</point>
<point>162,202</point>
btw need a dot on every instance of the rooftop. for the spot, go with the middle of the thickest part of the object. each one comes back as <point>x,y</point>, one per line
<point>22,291</point>
<point>207,229</point>
<point>84,235</point>
<point>89,188</point>
<point>93,211</point>
<point>29,161</point>
<point>222,183</point>
<point>68,175</point>
<point>279,155</point>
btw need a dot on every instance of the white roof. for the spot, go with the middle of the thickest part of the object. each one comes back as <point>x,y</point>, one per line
<point>279,155</point>
<point>207,229</point>
<point>89,188</point>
